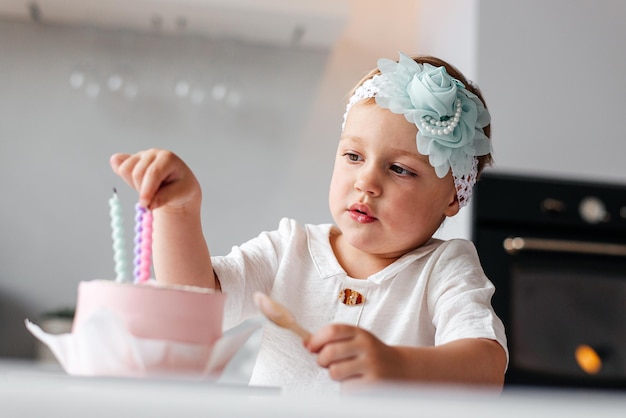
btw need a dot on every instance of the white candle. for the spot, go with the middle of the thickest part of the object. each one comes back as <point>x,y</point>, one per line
<point>117,225</point>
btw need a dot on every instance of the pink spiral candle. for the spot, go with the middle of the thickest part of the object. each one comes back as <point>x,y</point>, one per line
<point>146,248</point>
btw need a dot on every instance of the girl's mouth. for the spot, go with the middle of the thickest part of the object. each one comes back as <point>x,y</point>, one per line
<point>361,213</point>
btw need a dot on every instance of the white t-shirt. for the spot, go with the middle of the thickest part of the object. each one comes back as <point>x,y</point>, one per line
<point>433,295</point>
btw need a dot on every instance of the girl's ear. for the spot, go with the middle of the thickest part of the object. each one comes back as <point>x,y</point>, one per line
<point>453,206</point>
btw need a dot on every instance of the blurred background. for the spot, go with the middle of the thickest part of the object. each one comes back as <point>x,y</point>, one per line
<point>251,94</point>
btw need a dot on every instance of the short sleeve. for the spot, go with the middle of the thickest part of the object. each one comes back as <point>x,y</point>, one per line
<point>248,268</point>
<point>460,297</point>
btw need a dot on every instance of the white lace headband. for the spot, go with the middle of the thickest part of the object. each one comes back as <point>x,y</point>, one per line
<point>450,119</point>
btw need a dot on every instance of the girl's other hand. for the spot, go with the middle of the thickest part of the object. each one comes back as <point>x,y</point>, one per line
<point>354,356</point>
<point>160,177</point>
<point>351,353</point>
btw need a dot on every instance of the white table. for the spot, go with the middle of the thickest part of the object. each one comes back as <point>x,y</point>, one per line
<point>28,389</point>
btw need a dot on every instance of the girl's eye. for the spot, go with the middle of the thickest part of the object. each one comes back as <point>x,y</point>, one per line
<point>402,171</point>
<point>352,156</point>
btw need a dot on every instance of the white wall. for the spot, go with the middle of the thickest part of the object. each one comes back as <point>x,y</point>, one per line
<point>553,76</point>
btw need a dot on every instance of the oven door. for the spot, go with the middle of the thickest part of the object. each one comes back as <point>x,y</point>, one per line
<point>564,306</point>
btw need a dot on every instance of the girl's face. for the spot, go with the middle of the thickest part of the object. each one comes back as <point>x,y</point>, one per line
<point>384,196</point>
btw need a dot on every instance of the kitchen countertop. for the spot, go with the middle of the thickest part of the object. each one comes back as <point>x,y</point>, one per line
<point>33,389</point>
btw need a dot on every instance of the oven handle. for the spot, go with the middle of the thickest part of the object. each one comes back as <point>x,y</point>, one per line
<point>514,245</point>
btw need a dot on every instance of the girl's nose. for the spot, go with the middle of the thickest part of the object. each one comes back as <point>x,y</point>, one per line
<point>367,181</point>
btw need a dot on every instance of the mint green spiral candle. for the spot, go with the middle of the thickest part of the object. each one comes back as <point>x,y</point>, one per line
<point>117,225</point>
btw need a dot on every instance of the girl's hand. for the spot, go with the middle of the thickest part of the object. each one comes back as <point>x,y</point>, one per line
<point>351,353</point>
<point>355,356</point>
<point>161,178</point>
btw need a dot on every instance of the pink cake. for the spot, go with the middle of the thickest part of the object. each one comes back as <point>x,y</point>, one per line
<point>182,314</point>
<point>146,330</point>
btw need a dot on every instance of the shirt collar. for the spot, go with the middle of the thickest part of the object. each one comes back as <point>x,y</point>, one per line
<point>327,265</point>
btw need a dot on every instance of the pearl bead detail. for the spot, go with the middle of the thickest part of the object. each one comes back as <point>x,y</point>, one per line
<point>433,126</point>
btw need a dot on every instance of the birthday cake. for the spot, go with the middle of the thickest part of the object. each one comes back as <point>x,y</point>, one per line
<point>142,328</point>
<point>183,314</point>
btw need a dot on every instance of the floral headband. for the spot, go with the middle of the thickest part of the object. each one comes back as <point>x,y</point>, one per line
<point>450,119</point>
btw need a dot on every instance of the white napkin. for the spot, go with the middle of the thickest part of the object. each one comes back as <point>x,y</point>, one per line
<point>102,346</point>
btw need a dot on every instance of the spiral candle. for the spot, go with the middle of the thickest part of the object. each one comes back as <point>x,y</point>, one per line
<point>139,212</point>
<point>146,247</point>
<point>117,225</point>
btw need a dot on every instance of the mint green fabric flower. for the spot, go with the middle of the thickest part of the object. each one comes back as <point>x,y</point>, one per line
<point>450,119</point>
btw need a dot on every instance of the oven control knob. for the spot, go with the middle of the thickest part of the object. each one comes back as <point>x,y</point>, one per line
<point>593,211</point>
<point>551,205</point>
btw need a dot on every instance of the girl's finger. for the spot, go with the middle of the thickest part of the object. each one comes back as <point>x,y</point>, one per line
<point>140,173</point>
<point>337,352</point>
<point>139,169</point>
<point>116,160</point>
<point>155,181</point>
<point>329,333</point>
<point>344,370</point>
<point>125,166</point>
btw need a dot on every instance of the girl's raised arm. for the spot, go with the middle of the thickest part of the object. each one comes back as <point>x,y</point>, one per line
<point>170,190</point>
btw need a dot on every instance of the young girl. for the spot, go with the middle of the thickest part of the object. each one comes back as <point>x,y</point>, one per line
<point>385,301</point>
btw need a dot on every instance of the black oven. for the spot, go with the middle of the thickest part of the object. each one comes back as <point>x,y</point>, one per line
<point>556,252</point>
